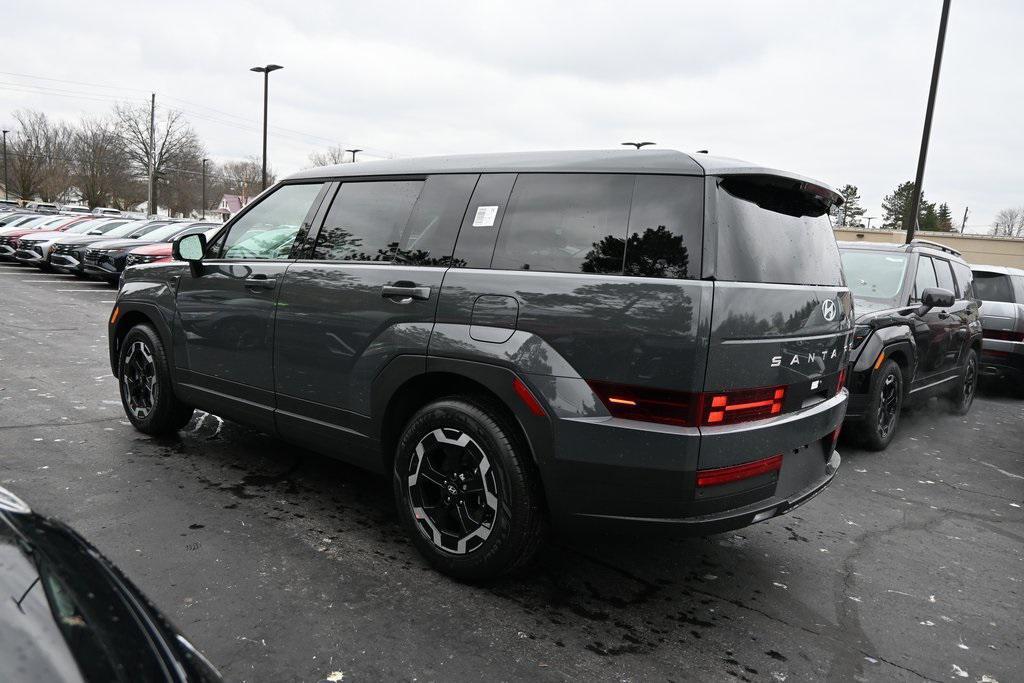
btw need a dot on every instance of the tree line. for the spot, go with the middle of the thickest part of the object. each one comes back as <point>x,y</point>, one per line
<point>895,207</point>
<point>104,161</point>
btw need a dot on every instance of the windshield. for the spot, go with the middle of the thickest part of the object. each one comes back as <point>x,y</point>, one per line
<point>873,274</point>
<point>993,287</point>
<point>114,229</point>
<point>160,232</point>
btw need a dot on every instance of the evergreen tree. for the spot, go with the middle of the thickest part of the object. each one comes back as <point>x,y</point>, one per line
<point>849,214</point>
<point>929,218</point>
<point>945,218</point>
<point>896,205</point>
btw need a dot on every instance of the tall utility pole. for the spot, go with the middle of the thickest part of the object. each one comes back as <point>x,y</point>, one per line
<point>910,220</point>
<point>353,153</point>
<point>152,155</point>
<point>265,70</point>
<point>6,196</point>
<point>204,187</point>
<point>869,219</point>
<point>963,223</point>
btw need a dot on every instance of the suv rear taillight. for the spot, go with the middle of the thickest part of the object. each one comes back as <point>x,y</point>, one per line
<point>684,409</point>
<point>741,406</point>
<point>1003,335</point>
<point>630,402</point>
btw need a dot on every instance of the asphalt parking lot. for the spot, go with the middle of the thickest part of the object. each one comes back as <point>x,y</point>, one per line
<point>282,565</point>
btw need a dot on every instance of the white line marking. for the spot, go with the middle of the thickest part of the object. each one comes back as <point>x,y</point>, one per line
<point>1009,474</point>
<point>47,281</point>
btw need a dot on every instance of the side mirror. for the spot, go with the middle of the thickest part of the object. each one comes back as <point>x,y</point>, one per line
<point>190,248</point>
<point>935,297</point>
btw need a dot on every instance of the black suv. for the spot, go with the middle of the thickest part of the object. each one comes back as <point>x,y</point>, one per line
<point>574,337</point>
<point>917,332</point>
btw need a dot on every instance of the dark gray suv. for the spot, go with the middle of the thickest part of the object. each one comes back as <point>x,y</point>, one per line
<point>615,338</point>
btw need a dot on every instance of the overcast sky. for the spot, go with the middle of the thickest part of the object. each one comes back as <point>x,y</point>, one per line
<point>833,90</point>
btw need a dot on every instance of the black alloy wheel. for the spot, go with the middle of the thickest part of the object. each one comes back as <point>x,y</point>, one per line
<point>467,490</point>
<point>147,393</point>
<point>886,402</point>
<point>963,397</point>
<point>452,490</point>
<point>139,386</point>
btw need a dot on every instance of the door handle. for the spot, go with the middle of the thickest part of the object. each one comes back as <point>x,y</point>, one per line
<point>260,282</point>
<point>405,293</point>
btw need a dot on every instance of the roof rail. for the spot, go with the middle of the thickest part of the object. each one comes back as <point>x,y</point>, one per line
<point>936,245</point>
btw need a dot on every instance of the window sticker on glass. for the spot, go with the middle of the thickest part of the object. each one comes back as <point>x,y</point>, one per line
<point>485,216</point>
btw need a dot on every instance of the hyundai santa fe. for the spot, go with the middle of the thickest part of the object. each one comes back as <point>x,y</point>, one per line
<point>917,333</point>
<point>520,341</point>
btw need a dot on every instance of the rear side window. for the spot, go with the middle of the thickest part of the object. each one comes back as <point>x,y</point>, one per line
<point>925,276</point>
<point>429,235</point>
<point>993,287</point>
<point>773,229</point>
<point>964,280</point>
<point>665,225</point>
<point>366,220</point>
<point>944,274</point>
<point>565,223</point>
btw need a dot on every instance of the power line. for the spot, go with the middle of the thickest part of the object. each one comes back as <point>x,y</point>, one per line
<point>100,97</point>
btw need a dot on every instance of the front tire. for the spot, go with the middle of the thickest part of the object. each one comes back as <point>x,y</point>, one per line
<point>883,412</point>
<point>467,491</point>
<point>144,377</point>
<point>962,398</point>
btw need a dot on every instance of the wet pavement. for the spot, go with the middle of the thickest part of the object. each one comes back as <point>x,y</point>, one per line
<point>283,565</point>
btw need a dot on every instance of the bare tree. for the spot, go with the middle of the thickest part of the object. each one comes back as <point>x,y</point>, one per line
<point>329,157</point>
<point>244,177</point>
<point>25,150</point>
<point>99,165</point>
<point>1009,222</point>
<point>175,143</point>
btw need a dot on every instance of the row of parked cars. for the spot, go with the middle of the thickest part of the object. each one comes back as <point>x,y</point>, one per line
<point>90,246</point>
<point>66,209</point>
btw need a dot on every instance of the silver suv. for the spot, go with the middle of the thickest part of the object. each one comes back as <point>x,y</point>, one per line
<point>1001,290</point>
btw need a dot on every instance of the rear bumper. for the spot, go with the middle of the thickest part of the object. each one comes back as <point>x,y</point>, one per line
<point>615,472</point>
<point>1000,358</point>
<point>727,520</point>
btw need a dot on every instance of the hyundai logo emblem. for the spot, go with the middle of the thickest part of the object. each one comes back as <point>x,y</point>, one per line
<point>828,309</point>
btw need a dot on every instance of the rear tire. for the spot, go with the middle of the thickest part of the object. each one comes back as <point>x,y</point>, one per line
<point>144,378</point>
<point>882,416</point>
<point>962,397</point>
<point>467,491</point>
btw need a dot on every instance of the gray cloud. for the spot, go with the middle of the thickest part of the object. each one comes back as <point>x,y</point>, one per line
<point>832,90</point>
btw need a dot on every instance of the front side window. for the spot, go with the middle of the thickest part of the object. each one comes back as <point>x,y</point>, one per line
<point>366,220</point>
<point>268,229</point>
<point>925,277</point>
<point>565,223</point>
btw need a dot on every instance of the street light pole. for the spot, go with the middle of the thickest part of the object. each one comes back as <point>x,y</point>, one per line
<point>204,187</point>
<point>265,70</point>
<point>910,220</point>
<point>6,196</point>
<point>353,153</point>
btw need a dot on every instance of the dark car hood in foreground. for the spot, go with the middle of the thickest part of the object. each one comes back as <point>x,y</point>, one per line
<point>67,614</point>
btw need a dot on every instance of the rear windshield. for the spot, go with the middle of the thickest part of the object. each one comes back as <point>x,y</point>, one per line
<point>874,275</point>
<point>993,287</point>
<point>776,230</point>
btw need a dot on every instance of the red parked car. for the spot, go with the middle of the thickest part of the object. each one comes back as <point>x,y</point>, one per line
<point>9,238</point>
